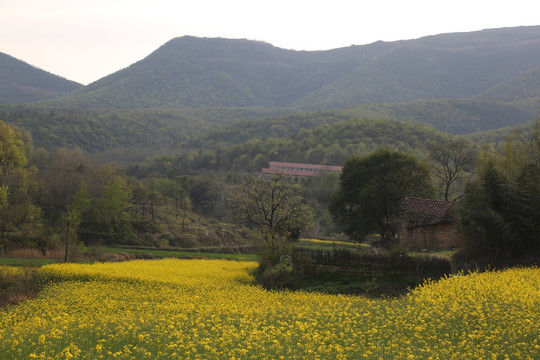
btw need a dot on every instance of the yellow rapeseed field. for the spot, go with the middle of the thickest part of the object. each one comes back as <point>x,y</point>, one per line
<point>210,309</point>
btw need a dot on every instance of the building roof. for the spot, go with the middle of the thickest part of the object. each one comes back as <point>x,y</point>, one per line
<point>290,172</point>
<point>274,164</point>
<point>298,169</point>
<point>421,212</point>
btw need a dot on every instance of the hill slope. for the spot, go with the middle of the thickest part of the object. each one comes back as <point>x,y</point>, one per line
<point>21,82</point>
<point>524,86</point>
<point>206,72</point>
<point>448,66</point>
<point>141,130</point>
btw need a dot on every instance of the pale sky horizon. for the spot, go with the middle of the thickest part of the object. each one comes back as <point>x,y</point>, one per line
<point>85,40</point>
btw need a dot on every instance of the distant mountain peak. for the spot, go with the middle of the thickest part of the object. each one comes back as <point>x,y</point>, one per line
<point>197,72</point>
<point>21,82</point>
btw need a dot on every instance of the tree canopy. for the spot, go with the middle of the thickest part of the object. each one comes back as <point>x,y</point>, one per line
<point>371,190</point>
<point>12,149</point>
<point>500,209</point>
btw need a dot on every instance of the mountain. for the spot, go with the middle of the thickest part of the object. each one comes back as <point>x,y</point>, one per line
<point>209,72</point>
<point>192,92</point>
<point>21,82</point>
<point>524,86</point>
<point>448,66</point>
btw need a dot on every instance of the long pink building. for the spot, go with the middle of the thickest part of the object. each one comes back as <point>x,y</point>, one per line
<point>296,169</point>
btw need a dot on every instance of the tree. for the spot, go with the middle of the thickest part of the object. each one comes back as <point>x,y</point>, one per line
<point>451,159</point>
<point>273,206</point>
<point>112,210</point>
<point>74,216</point>
<point>12,150</point>
<point>499,211</point>
<point>371,189</point>
<point>19,216</point>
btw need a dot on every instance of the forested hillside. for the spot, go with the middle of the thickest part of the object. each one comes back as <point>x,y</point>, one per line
<point>210,72</point>
<point>206,72</point>
<point>456,117</point>
<point>183,94</point>
<point>325,144</point>
<point>21,82</point>
<point>456,66</point>
<point>144,132</point>
<point>96,130</point>
<point>522,87</point>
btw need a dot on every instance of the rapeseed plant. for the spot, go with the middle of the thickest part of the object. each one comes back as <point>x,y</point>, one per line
<point>211,309</point>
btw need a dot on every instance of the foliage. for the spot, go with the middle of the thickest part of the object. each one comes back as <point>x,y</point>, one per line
<point>12,150</point>
<point>126,135</point>
<point>500,209</point>
<point>17,284</point>
<point>208,309</point>
<point>330,143</point>
<point>371,190</point>
<point>280,276</point>
<point>56,200</point>
<point>18,214</point>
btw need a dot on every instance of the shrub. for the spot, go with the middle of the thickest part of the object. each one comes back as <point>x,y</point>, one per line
<point>17,284</point>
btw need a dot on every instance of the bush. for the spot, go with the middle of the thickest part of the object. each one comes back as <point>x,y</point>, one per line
<point>281,275</point>
<point>17,284</point>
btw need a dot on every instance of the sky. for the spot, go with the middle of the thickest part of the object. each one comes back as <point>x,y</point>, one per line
<point>85,40</point>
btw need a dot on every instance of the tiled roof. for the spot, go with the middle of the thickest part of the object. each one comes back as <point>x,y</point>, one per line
<point>418,211</point>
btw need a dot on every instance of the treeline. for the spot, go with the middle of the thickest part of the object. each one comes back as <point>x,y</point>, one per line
<point>103,130</point>
<point>500,209</point>
<point>325,144</point>
<point>50,199</point>
<point>126,135</point>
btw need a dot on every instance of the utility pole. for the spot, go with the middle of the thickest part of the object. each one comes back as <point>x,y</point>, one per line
<point>68,225</point>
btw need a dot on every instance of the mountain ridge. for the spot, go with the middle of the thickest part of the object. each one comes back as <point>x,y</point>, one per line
<point>198,72</point>
<point>458,83</point>
<point>207,72</point>
<point>21,82</point>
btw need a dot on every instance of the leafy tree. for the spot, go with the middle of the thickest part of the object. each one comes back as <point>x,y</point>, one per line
<point>112,210</point>
<point>371,190</point>
<point>319,191</point>
<point>19,216</point>
<point>451,159</point>
<point>74,216</point>
<point>12,150</point>
<point>500,210</point>
<point>273,206</point>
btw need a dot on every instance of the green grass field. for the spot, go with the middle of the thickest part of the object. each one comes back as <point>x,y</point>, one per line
<point>181,254</point>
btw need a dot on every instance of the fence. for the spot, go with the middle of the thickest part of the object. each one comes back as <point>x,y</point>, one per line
<point>345,261</point>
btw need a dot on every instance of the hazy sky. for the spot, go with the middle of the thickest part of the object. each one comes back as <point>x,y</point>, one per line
<point>84,40</point>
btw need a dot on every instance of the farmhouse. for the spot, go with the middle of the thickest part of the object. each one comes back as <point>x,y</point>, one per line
<point>428,224</point>
<point>297,170</point>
